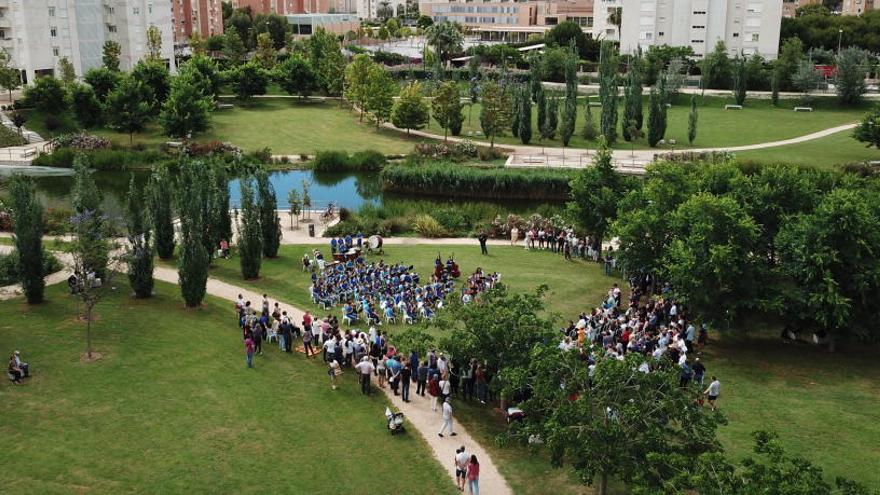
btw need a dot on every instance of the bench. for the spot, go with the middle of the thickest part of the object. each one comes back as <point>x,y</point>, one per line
<point>174,144</point>
<point>733,107</point>
<point>595,103</point>
<point>531,159</point>
<point>225,106</point>
<point>803,109</point>
<point>28,152</point>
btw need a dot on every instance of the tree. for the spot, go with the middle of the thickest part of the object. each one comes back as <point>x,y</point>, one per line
<point>66,70</point>
<point>242,24</point>
<point>542,112</point>
<point>85,105</point>
<point>208,72</point>
<point>410,111</point>
<point>775,81</point>
<point>154,42</point>
<point>381,89</point>
<point>595,193</point>
<point>445,37</point>
<point>10,77</point>
<point>18,119</point>
<point>495,112</point>
<point>250,243</point>
<point>850,79</point>
<point>611,419</point>
<point>806,79</point>
<point>692,121</point>
<point>128,106</point>
<point>248,80</point>
<point>656,124</point>
<point>110,57</point>
<point>589,131</point>
<point>357,77</point>
<point>515,114</point>
<point>868,130</point>
<point>327,61</point>
<point>715,69</point>
<point>187,111</point>
<point>552,122</point>
<point>569,110</point>
<point>740,80</point>
<point>446,106</point>
<point>139,254</point>
<point>525,117</point>
<point>273,25</point>
<point>536,75</point>
<point>831,255</point>
<point>158,201</point>
<point>154,75</point>
<point>27,221</point>
<point>103,81</point>
<point>791,54</point>
<point>193,194</point>
<point>265,54</point>
<point>47,95</point>
<point>608,92</point>
<point>294,202</point>
<point>632,96</point>
<point>296,76</point>
<point>198,44</point>
<point>270,225</point>
<point>234,48</point>
<point>567,32</point>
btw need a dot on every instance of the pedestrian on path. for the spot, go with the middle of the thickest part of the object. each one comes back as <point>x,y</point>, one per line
<point>462,459</point>
<point>483,238</point>
<point>434,391</point>
<point>447,419</point>
<point>473,476</point>
<point>249,349</point>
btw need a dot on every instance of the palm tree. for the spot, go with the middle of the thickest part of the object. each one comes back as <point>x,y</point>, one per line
<point>446,38</point>
<point>615,16</point>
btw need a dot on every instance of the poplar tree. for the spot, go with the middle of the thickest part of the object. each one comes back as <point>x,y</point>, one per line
<point>193,185</point>
<point>27,218</point>
<point>589,132</point>
<point>550,125</point>
<point>525,118</point>
<point>139,255</point>
<point>656,126</point>
<point>270,225</point>
<point>632,106</point>
<point>516,114</point>
<point>569,111</point>
<point>608,92</point>
<point>250,244</point>
<point>159,203</point>
<point>692,121</point>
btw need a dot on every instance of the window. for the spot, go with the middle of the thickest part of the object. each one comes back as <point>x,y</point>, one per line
<point>2,34</point>
<point>697,41</point>
<point>51,11</point>
<point>55,51</point>
<point>137,11</point>
<point>698,27</point>
<point>53,32</point>
<point>551,21</point>
<point>736,35</point>
<point>699,12</point>
<point>755,37</point>
<point>111,28</point>
<point>660,33</point>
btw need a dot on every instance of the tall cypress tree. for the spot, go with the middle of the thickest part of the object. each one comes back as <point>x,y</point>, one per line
<point>656,128</point>
<point>589,131</point>
<point>27,218</point>
<point>740,79</point>
<point>515,115</point>
<point>552,122</point>
<point>525,118</point>
<point>608,92</point>
<point>223,221</point>
<point>250,244</point>
<point>542,111</point>
<point>140,251</point>
<point>632,105</point>
<point>269,222</point>
<point>159,201</point>
<point>692,121</point>
<point>569,111</point>
<point>535,75</point>
<point>192,194</point>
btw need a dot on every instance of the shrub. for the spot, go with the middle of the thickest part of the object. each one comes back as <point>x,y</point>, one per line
<point>210,147</point>
<point>101,159</point>
<point>426,226</point>
<point>489,154</point>
<point>8,137</point>
<point>452,219</point>
<point>82,141</point>
<point>392,226</point>
<point>57,221</point>
<point>52,123</point>
<point>339,161</point>
<point>344,214</point>
<point>9,267</point>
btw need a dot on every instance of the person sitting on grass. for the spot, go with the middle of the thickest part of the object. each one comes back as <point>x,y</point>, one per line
<point>14,370</point>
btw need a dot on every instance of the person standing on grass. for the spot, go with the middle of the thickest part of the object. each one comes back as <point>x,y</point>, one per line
<point>258,338</point>
<point>483,238</point>
<point>446,417</point>
<point>422,378</point>
<point>334,370</point>
<point>473,476</point>
<point>462,459</point>
<point>365,369</point>
<point>699,370</point>
<point>249,349</point>
<point>434,391</point>
<point>307,341</point>
<point>713,391</point>
<point>405,377</point>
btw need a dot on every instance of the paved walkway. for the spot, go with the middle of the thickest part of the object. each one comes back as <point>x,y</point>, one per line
<point>13,291</point>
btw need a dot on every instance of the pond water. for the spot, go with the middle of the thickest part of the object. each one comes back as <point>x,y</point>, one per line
<point>345,190</point>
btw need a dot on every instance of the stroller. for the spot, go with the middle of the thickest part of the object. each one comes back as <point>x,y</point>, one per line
<point>395,421</point>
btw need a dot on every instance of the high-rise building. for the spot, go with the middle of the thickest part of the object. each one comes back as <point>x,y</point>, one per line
<point>38,33</point>
<point>607,16</point>
<point>204,17</point>
<point>745,26</point>
<point>857,7</point>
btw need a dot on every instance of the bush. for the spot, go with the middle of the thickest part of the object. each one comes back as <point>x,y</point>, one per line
<point>489,154</point>
<point>426,226</point>
<point>56,221</point>
<point>452,219</point>
<point>344,214</point>
<point>52,123</point>
<point>339,161</point>
<point>393,226</point>
<point>210,147</point>
<point>82,141</point>
<point>101,159</point>
<point>8,137</point>
<point>9,267</point>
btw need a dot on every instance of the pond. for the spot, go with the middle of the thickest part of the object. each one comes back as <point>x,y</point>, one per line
<point>344,190</point>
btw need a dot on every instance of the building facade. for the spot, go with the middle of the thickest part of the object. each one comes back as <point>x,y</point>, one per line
<point>857,7</point>
<point>38,33</point>
<point>204,17</point>
<point>745,26</point>
<point>789,7</point>
<point>290,7</point>
<point>604,26</point>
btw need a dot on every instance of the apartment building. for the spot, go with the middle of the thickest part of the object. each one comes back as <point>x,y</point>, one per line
<point>606,14</point>
<point>38,33</point>
<point>204,17</point>
<point>789,7</point>
<point>857,7</point>
<point>288,7</point>
<point>747,26</point>
<point>511,21</point>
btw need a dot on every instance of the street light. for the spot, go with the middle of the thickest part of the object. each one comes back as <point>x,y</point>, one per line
<point>839,36</point>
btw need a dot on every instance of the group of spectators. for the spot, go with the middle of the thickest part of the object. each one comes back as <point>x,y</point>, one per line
<point>478,282</point>
<point>341,245</point>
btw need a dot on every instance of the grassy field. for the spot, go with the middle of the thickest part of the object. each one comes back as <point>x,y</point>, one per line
<point>171,408</point>
<point>830,151</point>
<point>758,122</point>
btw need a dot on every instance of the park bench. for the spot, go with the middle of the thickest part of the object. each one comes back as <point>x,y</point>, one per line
<point>533,159</point>
<point>225,106</point>
<point>595,103</point>
<point>733,107</point>
<point>803,109</point>
<point>174,144</point>
<point>28,152</point>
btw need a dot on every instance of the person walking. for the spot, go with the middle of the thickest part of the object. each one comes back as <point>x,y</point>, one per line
<point>483,238</point>
<point>713,391</point>
<point>447,419</point>
<point>462,459</point>
<point>249,349</point>
<point>422,378</point>
<point>445,389</point>
<point>334,370</point>
<point>473,476</point>
<point>699,371</point>
<point>365,369</point>
<point>258,339</point>
<point>405,378</point>
<point>434,391</point>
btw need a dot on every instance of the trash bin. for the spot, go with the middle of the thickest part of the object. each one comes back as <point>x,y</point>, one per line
<point>311,230</point>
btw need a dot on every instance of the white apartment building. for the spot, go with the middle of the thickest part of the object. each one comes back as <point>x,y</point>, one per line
<point>38,33</point>
<point>368,9</point>
<point>603,27</point>
<point>747,26</point>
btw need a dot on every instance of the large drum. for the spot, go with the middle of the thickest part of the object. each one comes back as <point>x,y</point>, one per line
<point>374,243</point>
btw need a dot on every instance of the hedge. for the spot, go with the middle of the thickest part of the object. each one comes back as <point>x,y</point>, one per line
<point>340,161</point>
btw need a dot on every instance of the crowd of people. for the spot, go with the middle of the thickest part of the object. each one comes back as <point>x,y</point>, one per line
<point>657,329</point>
<point>478,282</point>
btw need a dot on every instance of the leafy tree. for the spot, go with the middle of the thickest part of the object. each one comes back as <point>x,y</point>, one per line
<point>294,202</point>
<point>632,96</point>
<point>270,225</point>
<point>515,114</point>
<point>154,75</point>
<point>27,220</point>
<point>250,243</point>
<point>740,80</point>
<point>831,255</point>
<point>265,53</point>
<point>567,32</point>
<point>806,79</point>
<point>525,117</point>
<point>248,80</point>
<point>103,81</point>
<point>589,131</point>
<point>445,37</point>
<point>536,76</point>
<point>410,111</point>
<point>154,42</point>
<point>656,124</point>
<point>327,61</point>
<point>159,199</point>
<point>128,106</point>
<point>89,221</point>
<point>716,69</point>
<point>659,57</point>
<point>221,220</point>
<point>241,24</point>
<point>608,92</point>
<point>357,77</point>
<point>296,76</point>
<point>47,95</point>
<point>205,66</point>
<point>273,25</point>
<point>187,111</point>
<point>198,44</point>
<point>446,106</point>
<point>791,54</point>
<point>10,77</point>
<point>85,105</point>
<point>139,253</point>
<point>192,195</point>
<point>569,111</point>
<point>692,121</point>
<point>850,79</point>
<point>552,122</point>
<point>868,130</point>
<point>595,193</point>
<point>495,112</point>
<point>234,48</point>
<point>110,57</point>
<point>66,70</point>
<point>381,89</point>
<point>775,81</point>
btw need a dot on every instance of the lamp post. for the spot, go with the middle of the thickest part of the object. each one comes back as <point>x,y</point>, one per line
<point>839,36</point>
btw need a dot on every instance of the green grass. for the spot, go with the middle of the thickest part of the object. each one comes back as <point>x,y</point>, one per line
<point>171,408</point>
<point>286,126</point>
<point>830,151</point>
<point>758,122</point>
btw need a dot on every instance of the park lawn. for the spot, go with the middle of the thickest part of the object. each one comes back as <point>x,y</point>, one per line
<point>285,126</point>
<point>758,122</point>
<point>171,408</point>
<point>827,152</point>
